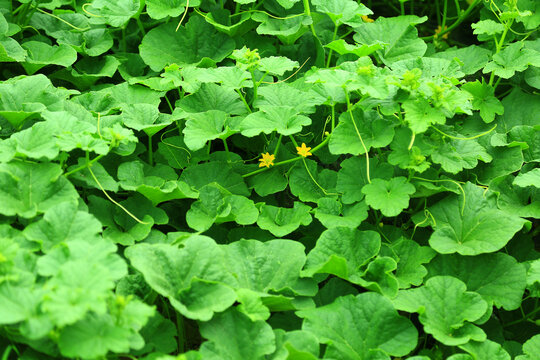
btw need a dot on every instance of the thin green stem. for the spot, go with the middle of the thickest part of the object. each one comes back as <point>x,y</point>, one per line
<point>333,116</point>
<point>258,171</point>
<point>181,332</point>
<point>523,318</point>
<point>461,18</point>
<point>242,97</point>
<point>82,167</point>
<point>150,152</point>
<point>330,52</point>
<point>307,11</point>
<point>278,145</point>
<point>227,150</point>
<point>402,8</point>
<point>445,10</point>
<point>465,138</point>
<point>349,109</point>
<point>500,44</point>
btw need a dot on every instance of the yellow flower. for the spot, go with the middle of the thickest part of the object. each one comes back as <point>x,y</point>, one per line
<point>303,150</point>
<point>267,160</point>
<point>439,29</point>
<point>367,19</point>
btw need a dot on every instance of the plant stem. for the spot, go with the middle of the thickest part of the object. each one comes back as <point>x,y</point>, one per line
<point>82,167</point>
<point>278,144</point>
<point>227,149</point>
<point>181,333</point>
<point>330,52</point>
<point>461,18</point>
<point>323,143</point>
<point>307,10</point>
<point>150,152</point>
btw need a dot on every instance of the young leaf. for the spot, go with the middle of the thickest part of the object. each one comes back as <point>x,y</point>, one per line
<point>391,197</point>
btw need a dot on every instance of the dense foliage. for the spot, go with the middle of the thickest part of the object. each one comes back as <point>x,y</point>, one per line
<point>269,179</point>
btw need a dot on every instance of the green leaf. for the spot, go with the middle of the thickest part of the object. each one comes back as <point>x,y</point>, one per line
<point>530,178</point>
<point>409,256</point>
<point>506,160</point>
<point>332,213</point>
<point>456,155</point>
<point>309,184</point>
<point>514,58</point>
<point>530,348</point>
<point>446,309</point>
<point>217,205</point>
<point>157,184</point>
<point>391,196</point>
<point>478,227</point>
<point>206,126</point>
<point>487,27</point>
<point>268,182</point>
<point>342,252</point>
<point>191,277</point>
<point>360,327</point>
<point>115,13</point>
<point>29,189</point>
<point>17,303</point>
<point>399,36</point>
<point>420,115</point>
<point>342,11</point>
<point>353,176</point>
<point>484,100</point>
<point>40,54</point>
<point>282,221</point>
<point>472,58</point>
<point>23,97</point>
<point>159,9</point>
<point>265,267</point>
<point>364,126</point>
<point>277,65</point>
<point>145,117</point>
<point>499,278</point>
<point>282,119</point>
<point>212,97</point>
<point>195,43</point>
<point>203,174</point>
<point>410,158</point>
<point>486,350</point>
<point>60,224</point>
<point>232,335</point>
<point>342,47</point>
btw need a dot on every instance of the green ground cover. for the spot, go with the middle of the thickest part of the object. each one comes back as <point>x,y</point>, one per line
<point>269,179</point>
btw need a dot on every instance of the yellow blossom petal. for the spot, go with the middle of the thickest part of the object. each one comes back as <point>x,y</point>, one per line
<point>303,150</point>
<point>267,160</point>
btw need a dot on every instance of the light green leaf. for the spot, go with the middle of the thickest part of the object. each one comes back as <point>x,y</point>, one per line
<point>364,126</point>
<point>486,350</point>
<point>277,65</point>
<point>499,278</point>
<point>265,267</point>
<point>145,117</point>
<point>478,227</point>
<point>413,158</point>
<point>206,126</point>
<point>484,100</point>
<point>353,176</point>
<point>530,348</point>
<point>514,58</point>
<point>342,11</point>
<point>114,12</point>
<point>391,197</point>
<point>446,309</point>
<point>17,303</point>
<point>342,252</point>
<point>456,155</point>
<point>159,9</point>
<point>29,189</point>
<point>217,205</point>
<point>212,97</point>
<point>41,54</point>
<point>332,213</point>
<point>309,184</point>
<point>342,47</point>
<point>487,27</point>
<point>360,327</point>
<point>157,184</point>
<point>60,224</point>
<point>282,119</point>
<point>268,182</point>
<point>409,256</point>
<point>282,221</point>
<point>399,36</point>
<point>219,172</point>
<point>530,178</point>
<point>472,58</point>
<point>420,114</point>
<point>191,277</point>
<point>232,335</point>
<point>196,42</point>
